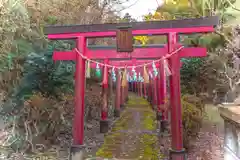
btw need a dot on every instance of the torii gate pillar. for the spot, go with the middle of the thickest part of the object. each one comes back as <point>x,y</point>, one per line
<point>76,151</point>
<point>177,152</point>
<point>118,95</point>
<point>122,100</point>
<point>140,88</point>
<point>135,87</point>
<point>162,112</point>
<point>155,79</point>
<point>127,86</point>
<point>150,93</point>
<point>145,90</point>
<point>104,111</point>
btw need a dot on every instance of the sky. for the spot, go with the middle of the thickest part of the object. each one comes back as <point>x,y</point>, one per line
<point>138,8</point>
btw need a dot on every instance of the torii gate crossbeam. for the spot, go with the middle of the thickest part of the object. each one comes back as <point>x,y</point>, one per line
<point>139,53</point>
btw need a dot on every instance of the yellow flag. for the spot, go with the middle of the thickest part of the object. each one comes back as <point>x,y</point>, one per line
<point>145,75</point>
<point>142,39</point>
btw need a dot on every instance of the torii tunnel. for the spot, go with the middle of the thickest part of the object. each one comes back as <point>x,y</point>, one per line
<point>170,28</point>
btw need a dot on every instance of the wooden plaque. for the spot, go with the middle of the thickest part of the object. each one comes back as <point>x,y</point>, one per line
<point>124,39</point>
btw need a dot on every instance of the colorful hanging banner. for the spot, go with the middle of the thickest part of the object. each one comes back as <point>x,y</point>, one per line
<point>166,68</point>
<point>124,78</point>
<point>134,74</point>
<point>150,74</point>
<point>105,76</point>
<point>139,77</point>
<point>145,75</point>
<point>137,66</point>
<point>114,75</point>
<point>88,71</point>
<point>128,77</point>
<point>155,72</point>
<point>98,71</point>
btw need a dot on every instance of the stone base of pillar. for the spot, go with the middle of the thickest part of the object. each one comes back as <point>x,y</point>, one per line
<point>116,113</point>
<point>148,99</point>
<point>154,107</point>
<point>163,126</point>
<point>104,126</point>
<point>175,154</point>
<point>77,152</point>
<point>159,116</point>
<point>122,106</point>
<point>151,102</point>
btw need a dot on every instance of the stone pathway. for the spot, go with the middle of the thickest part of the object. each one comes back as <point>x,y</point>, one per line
<point>134,134</point>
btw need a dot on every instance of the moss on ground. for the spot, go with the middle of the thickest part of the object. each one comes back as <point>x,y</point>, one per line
<point>137,101</point>
<point>113,139</point>
<point>147,142</point>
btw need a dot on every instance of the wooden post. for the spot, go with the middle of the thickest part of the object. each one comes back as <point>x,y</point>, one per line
<point>155,92</point>
<point>118,95</point>
<point>123,97</point>
<point>121,90</point>
<point>127,86</point>
<point>76,150</point>
<point>135,87</point>
<point>158,111</point>
<point>177,151</point>
<point>104,111</point>
<point>163,97</point>
<point>137,84</point>
<point>122,93</point>
<point>141,89</point>
<point>145,90</point>
<point>150,90</point>
<point>132,86</point>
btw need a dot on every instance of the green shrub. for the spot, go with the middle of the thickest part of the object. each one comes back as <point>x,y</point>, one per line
<point>192,108</point>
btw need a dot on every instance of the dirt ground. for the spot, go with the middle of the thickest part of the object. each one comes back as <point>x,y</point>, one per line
<point>209,144</point>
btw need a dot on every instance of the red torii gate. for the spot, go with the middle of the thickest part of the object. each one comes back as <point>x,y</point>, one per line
<point>171,28</point>
<point>137,57</point>
<point>160,83</point>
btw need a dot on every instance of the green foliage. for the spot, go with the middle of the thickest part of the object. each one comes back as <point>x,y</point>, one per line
<point>43,76</point>
<point>197,74</point>
<point>190,75</point>
<point>40,74</point>
<point>193,108</point>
